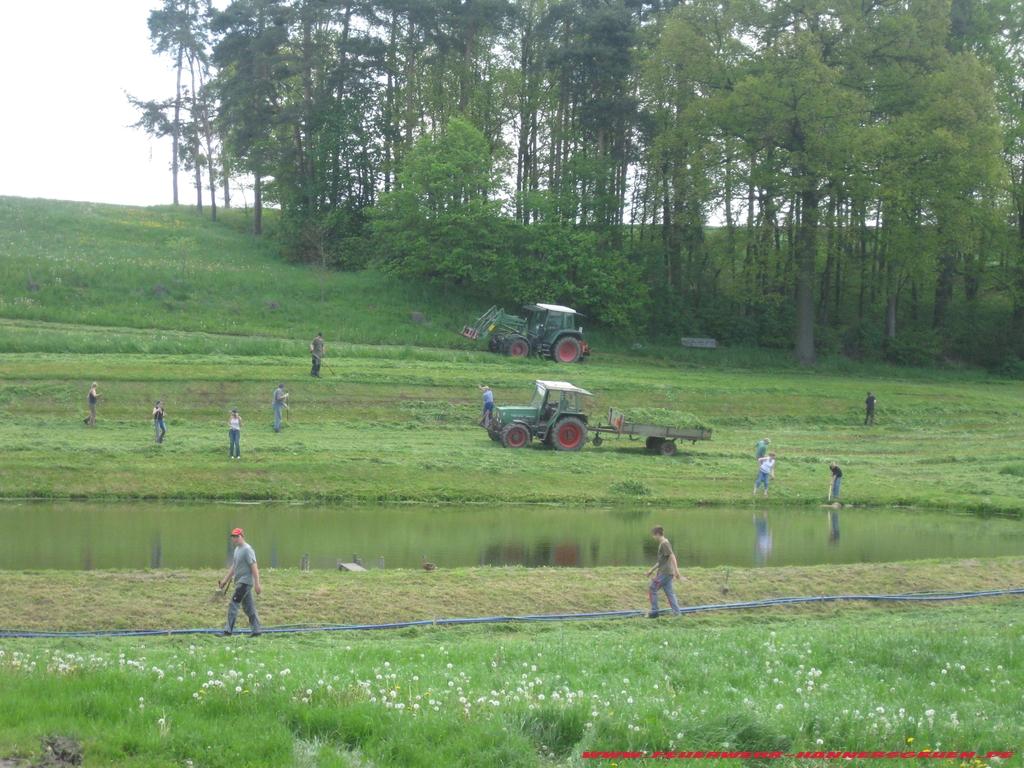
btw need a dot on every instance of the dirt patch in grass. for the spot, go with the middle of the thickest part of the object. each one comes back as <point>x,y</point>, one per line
<point>60,751</point>
<point>57,752</point>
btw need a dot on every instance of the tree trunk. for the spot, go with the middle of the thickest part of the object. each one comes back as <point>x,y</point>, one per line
<point>806,250</point>
<point>197,147</point>
<point>257,205</point>
<point>523,153</point>
<point>176,131</point>
<point>226,176</point>
<point>943,287</point>
<point>890,315</point>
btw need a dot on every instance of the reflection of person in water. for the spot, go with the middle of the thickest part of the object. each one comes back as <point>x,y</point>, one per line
<point>762,540</point>
<point>833,527</point>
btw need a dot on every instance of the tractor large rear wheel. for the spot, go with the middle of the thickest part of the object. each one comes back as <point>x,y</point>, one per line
<point>515,436</point>
<point>567,350</point>
<point>517,346</point>
<point>570,434</point>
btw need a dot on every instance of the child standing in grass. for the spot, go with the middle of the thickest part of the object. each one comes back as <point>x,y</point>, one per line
<point>280,402</point>
<point>158,421</point>
<point>766,471</point>
<point>234,435</point>
<point>94,397</point>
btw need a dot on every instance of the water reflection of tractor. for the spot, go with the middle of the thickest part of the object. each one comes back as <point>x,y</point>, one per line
<point>555,416</point>
<point>548,330</point>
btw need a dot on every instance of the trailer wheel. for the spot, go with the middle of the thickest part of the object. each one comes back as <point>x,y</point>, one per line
<point>515,436</point>
<point>598,440</point>
<point>517,346</point>
<point>653,443</point>
<point>570,434</point>
<point>567,350</point>
<point>668,448</point>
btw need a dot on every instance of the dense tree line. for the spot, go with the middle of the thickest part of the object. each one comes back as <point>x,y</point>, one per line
<point>832,176</point>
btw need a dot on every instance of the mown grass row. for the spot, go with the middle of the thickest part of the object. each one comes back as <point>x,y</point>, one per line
<point>380,427</point>
<point>162,599</point>
<point>911,680</point>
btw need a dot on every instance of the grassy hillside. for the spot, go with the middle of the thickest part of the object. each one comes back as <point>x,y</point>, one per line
<point>397,422</point>
<point>169,269</point>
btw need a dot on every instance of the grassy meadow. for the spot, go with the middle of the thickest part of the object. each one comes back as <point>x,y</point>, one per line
<point>532,695</point>
<point>395,423</point>
<point>157,303</point>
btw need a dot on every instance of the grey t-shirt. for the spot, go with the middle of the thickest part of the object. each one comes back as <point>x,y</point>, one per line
<point>278,400</point>
<point>665,558</point>
<point>244,556</point>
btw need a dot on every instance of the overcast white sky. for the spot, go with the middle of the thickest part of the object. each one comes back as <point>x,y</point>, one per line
<point>64,130</point>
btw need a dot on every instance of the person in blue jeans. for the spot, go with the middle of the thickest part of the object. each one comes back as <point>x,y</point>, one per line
<point>667,567</point>
<point>765,472</point>
<point>488,412</point>
<point>234,435</point>
<point>158,421</point>
<point>837,478</point>
<point>280,403</point>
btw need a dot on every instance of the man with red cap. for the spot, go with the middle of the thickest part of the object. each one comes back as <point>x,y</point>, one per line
<point>247,580</point>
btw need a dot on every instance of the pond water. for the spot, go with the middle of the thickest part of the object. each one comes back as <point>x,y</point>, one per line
<point>88,535</point>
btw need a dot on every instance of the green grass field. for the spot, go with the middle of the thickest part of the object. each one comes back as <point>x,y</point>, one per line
<point>400,424</point>
<point>157,303</point>
<point>532,695</point>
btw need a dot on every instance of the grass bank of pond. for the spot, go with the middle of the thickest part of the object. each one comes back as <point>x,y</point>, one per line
<point>75,600</point>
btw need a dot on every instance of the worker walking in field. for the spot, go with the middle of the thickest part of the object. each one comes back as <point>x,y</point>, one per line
<point>246,574</point>
<point>158,421</point>
<point>280,402</point>
<point>488,412</point>
<point>663,572</point>
<point>234,435</point>
<point>761,448</point>
<point>93,398</point>
<point>765,472</point>
<point>316,348</point>
<point>869,410</point>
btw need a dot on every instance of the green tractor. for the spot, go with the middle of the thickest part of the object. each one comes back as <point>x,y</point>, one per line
<point>548,330</point>
<point>554,416</point>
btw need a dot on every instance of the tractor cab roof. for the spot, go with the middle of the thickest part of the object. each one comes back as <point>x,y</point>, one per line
<point>552,308</point>
<point>562,386</point>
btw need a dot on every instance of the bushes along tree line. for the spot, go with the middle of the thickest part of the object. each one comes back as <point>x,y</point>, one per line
<point>844,176</point>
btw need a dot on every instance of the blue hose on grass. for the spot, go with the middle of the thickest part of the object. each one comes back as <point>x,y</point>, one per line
<point>300,628</point>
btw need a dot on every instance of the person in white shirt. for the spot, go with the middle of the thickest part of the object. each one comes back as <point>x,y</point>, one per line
<point>766,471</point>
<point>234,435</point>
